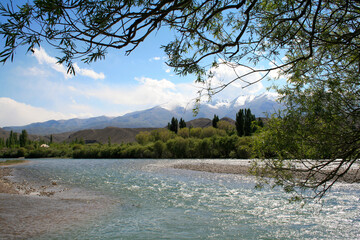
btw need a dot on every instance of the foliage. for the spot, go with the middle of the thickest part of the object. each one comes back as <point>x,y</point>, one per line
<point>162,134</point>
<point>215,121</point>
<point>144,137</point>
<point>208,132</point>
<point>2,143</point>
<point>245,122</point>
<point>184,132</point>
<point>196,132</point>
<point>227,127</point>
<point>240,123</point>
<point>23,138</point>
<point>173,125</point>
<point>160,143</point>
<point>12,141</point>
<point>249,119</point>
<point>182,123</point>
<point>321,139</point>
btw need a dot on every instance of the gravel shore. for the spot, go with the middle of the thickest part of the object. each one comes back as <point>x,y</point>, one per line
<point>22,188</point>
<point>215,168</point>
<point>6,186</point>
<point>352,176</point>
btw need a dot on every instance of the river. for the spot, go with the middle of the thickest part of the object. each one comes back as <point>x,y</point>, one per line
<point>147,199</point>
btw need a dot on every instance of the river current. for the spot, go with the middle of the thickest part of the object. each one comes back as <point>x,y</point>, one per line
<point>147,199</point>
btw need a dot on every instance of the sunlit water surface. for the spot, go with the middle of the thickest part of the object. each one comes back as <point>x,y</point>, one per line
<point>147,199</point>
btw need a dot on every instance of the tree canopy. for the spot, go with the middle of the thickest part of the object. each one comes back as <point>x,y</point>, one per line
<point>315,45</point>
<point>295,36</point>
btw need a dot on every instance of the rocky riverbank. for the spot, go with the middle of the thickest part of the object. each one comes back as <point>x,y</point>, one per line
<point>24,187</point>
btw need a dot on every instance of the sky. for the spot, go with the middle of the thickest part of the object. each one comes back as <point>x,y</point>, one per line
<point>34,88</point>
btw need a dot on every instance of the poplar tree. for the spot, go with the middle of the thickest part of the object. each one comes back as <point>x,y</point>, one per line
<point>12,140</point>
<point>182,123</point>
<point>240,123</point>
<point>249,118</point>
<point>173,126</point>
<point>23,138</point>
<point>215,121</point>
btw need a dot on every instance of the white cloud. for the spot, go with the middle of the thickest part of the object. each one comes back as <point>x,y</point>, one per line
<point>14,113</point>
<point>155,84</point>
<point>148,92</point>
<point>43,58</point>
<point>155,59</point>
<point>88,72</point>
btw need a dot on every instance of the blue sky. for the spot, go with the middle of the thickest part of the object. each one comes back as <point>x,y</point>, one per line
<point>35,89</point>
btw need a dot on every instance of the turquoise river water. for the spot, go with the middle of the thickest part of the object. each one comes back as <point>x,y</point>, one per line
<point>147,199</point>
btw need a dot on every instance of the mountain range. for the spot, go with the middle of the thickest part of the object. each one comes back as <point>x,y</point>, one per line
<point>158,116</point>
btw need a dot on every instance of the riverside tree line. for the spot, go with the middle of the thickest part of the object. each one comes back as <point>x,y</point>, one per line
<point>221,140</point>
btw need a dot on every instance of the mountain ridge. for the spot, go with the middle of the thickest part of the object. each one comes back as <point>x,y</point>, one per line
<point>156,117</point>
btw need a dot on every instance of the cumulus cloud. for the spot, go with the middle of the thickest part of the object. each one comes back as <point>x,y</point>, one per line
<point>14,113</point>
<point>43,58</point>
<point>148,92</point>
<point>88,72</point>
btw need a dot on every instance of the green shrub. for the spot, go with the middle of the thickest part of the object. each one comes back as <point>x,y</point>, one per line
<point>208,132</point>
<point>196,132</point>
<point>184,132</point>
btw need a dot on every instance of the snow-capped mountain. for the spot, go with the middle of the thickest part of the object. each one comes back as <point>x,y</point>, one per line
<point>159,116</point>
<point>261,105</point>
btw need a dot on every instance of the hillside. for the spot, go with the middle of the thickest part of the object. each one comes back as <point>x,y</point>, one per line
<point>229,120</point>
<point>117,135</point>
<point>199,122</point>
